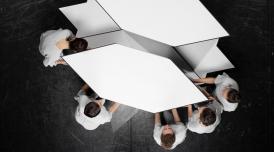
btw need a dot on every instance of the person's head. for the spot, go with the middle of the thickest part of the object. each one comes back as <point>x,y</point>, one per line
<point>92,109</point>
<point>232,95</point>
<point>207,116</point>
<point>167,137</point>
<point>77,44</point>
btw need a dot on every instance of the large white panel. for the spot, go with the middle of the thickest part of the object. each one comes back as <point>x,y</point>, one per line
<point>89,18</point>
<point>142,44</point>
<point>135,78</point>
<point>174,22</point>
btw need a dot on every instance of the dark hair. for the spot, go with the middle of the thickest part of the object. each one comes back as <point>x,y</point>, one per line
<point>233,96</point>
<point>202,104</point>
<point>167,140</point>
<point>98,98</point>
<point>78,44</point>
<point>92,109</point>
<point>207,117</point>
<point>68,52</point>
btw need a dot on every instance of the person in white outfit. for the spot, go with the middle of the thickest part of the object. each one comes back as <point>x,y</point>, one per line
<point>206,118</point>
<point>53,42</point>
<point>171,134</point>
<point>227,90</point>
<point>92,111</point>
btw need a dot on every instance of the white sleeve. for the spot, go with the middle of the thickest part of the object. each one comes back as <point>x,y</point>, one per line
<point>193,122</point>
<point>218,107</point>
<point>83,100</point>
<point>180,135</point>
<point>48,62</point>
<point>157,133</point>
<point>226,81</point>
<point>109,116</point>
<point>191,125</point>
<point>67,33</point>
<point>220,79</point>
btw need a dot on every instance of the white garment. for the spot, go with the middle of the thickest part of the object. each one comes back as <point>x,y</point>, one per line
<point>48,48</point>
<point>179,130</point>
<point>87,122</point>
<point>222,82</point>
<point>195,125</point>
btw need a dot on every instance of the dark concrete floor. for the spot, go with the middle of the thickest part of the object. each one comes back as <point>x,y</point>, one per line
<point>37,106</point>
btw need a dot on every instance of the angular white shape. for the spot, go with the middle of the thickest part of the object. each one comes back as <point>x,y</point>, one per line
<point>204,57</point>
<point>194,53</point>
<point>89,18</point>
<point>213,61</point>
<point>135,78</point>
<point>142,44</point>
<point>173,22</point>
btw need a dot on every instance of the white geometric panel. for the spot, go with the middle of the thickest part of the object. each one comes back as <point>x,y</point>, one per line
<point>173,22</point>
<point>135,78</point>
<point>213,61</point>
<point>142,44</point>
<point>194,53</point>
<point>89,18</point>
<point>205,57</point>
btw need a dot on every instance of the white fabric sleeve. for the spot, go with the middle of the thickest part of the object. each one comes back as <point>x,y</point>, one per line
<point>180,133</point>
<point>220,79</point>
<point>218,107</point>
<point>67,33</point>
<point>47,62</point>
<point>157,133</point>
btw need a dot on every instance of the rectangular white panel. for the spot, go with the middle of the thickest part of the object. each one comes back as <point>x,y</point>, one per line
<point>89,18</point>
<point>174,22</point>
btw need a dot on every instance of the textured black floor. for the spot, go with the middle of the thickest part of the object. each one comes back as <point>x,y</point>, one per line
<point>37,106</point>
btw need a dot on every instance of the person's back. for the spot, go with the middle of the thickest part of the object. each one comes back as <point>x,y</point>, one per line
<point>170,135</point>
<point>53,42</point>
<point>91,111</point>
<point>205,119</point>
<point>48,48</point>
<point>227,92</point>
<point>91,122</point>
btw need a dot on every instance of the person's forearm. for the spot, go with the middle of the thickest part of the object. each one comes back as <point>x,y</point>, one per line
<point>85,87</point>
<point>209,80</point>
<point>157,118</point>
<point>209,96</point>
<point>114,107</point>
<point>60,61</point>
<point>189,111</point>
<point>176,115</point>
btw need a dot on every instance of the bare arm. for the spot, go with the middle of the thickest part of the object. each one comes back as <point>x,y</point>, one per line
<point>209,80</point>
<point>189,111</point>
<point>114,107</point>
<point>209,96</point>
<point>175,115</point>
<point>157,118</point>
<point>85,87</point>
<point>60,61</point>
